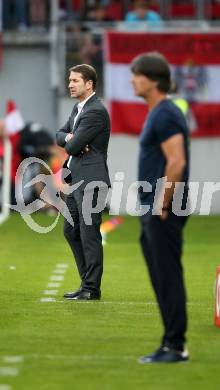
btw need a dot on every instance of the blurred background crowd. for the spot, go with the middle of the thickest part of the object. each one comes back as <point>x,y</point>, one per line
<point>35,14</point>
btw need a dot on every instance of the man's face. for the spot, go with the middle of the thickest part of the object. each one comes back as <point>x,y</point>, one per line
<point>142,85</point>
<point>77,86</point>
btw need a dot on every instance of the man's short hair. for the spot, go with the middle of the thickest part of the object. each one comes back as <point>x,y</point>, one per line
<point>87,72</point>
<point>154,66</point>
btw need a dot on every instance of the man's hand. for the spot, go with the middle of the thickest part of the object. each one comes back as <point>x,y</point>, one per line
<point>161,212</point>
<point>163,216</point>
<point>69,137</point>
<point>85,150</point>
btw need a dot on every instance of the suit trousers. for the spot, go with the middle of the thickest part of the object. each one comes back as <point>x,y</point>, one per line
<point>161,242</point>
<point>85,241</point>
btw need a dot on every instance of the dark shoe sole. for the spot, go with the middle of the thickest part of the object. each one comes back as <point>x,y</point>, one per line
<point>83,299</point>
<point>74,294</point>
<point>165,357</point>
<point>140,361</point>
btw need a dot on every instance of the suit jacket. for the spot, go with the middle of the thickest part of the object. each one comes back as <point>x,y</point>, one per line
<point>92,128</point>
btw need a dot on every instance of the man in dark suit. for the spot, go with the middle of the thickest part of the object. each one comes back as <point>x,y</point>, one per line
<point>85,138</point>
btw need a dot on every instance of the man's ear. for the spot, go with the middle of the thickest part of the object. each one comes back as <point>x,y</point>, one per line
<point>89,84</point>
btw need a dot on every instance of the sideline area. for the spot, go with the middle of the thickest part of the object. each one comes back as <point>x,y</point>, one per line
<point>54,345</point>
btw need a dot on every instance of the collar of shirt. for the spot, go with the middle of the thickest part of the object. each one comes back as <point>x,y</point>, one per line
<point>82,104</point>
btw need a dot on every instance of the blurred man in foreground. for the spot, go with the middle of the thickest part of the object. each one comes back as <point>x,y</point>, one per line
<point>163,154</point>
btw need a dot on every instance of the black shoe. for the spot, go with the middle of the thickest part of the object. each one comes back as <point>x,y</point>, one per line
<point>86,296</point>
<point>165,355</point>
<point>73,294</point>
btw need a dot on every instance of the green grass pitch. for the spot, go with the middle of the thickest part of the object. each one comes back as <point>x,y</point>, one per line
<point>95,345</point>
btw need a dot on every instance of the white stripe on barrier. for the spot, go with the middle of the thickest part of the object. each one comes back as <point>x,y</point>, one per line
<point>118,76</point>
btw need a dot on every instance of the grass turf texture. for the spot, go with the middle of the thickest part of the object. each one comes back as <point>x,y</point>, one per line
<point>95,345</point>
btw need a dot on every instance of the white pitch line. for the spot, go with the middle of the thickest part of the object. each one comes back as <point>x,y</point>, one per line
<point>112,303</point>
<point>54,282</point>
<point>5,387</point>
<point>57,278</point>
<point>48,300</point>
<point>13,359</point>
<point>50,292</point>
<point>124,303</point>
<point>59,271</point>
<point>8,371</point>
<point>80,357</point>
<point>53,285</point>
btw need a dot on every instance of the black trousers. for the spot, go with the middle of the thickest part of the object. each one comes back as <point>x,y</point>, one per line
<point>161,243</point>
<point>85,241</point>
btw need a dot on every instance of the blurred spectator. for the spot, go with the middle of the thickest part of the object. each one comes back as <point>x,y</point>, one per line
<point>35,141</point>
<point>98,14</point>
<point>38,13</point>
<point>91,49</point>
<point>91,52</point>
<point>15,14</point>
<point>184,106</point>
<point>21,14</point>
<point>65,9</point>
<point>69,9</point>
<point>0,15</point>
<point>115,10</point>
<point>141,12</point>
